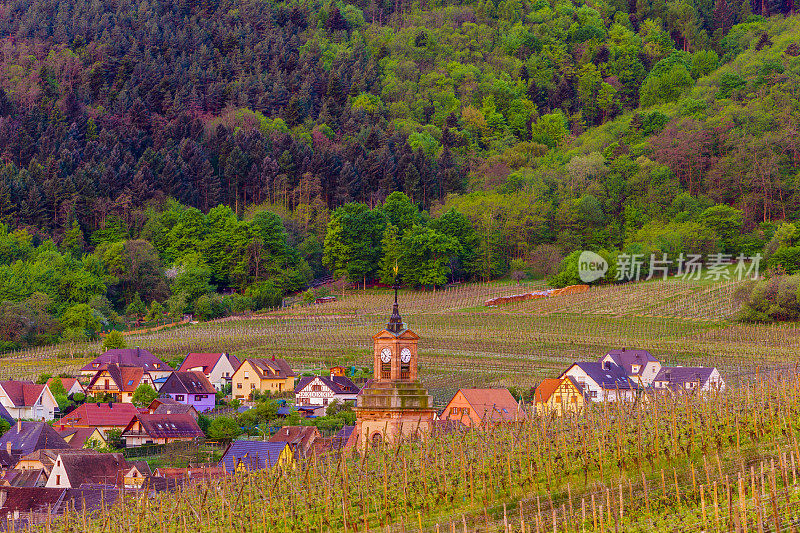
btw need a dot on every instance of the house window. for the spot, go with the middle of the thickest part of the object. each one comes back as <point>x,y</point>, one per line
<point>198,397</point>
<point>246,374</point>
<point>574,399</point>
<point>316,388</point>
<point>558,399</point>
<point>238,385</point>
<point>634,368</point>
<point>594,394</point>
<point>58,479</point>
<point>252,385</point>
<point>454,411</point>
<point>465,411</point>
<point>179,397</point>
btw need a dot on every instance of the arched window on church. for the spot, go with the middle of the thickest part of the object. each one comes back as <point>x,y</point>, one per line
<point>377,439</point>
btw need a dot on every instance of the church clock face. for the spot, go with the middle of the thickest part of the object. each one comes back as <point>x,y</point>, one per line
<point>386,355</point>
<point>405,355</point>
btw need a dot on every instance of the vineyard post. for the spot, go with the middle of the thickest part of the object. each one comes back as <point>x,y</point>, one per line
<point>583,515</point>
<point>716,507</point>
<point>521,517</point>
<point>774,498</point>
<point>677,489</point>
<point>742,502</point>
<point>555,518</point>
<point>594,514</point>
<point>703,507</point>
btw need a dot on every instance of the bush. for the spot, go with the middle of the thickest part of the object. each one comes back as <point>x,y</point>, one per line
<point>224,428</point>
<point>113,340</point>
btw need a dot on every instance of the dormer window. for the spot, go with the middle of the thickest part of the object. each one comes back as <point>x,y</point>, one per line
<point>634,368</point>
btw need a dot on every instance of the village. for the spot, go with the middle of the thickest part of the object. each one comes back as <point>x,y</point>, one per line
<point>89,457</point>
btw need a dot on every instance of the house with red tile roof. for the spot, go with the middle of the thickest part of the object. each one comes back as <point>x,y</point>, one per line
<point>217,367</point>
<point>483,408</point>
<point>559,396</point>
<point>190,388</point>
<point>25,399</point>
<point>128,357</point>
<point>103,416</point>
<point>80,438</point>
<point>265,375</point>
<point>149,428</point>
<point>71,385</point>
<point>119,381</point>
<point>300,438</point>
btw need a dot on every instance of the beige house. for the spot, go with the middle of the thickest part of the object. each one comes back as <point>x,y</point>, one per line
<point>264,375</point>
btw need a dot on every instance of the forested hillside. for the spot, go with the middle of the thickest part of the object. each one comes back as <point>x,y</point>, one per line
<point>156,152</point>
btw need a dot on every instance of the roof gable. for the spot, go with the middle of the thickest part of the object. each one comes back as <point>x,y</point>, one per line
<point>611,378</point>
<point>166,426</point>
<point>546,389</point>
<point>252,455</point>
<point>128,357</point>
<point>187,382</point>
<point>493,404</point>
<point>101,415</point>
<point>405,334</point>
<point>22,393</point>
<point>26,437</point>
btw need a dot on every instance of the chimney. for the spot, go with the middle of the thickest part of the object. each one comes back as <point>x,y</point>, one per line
<point>8,447</point>
<point>19,426</point>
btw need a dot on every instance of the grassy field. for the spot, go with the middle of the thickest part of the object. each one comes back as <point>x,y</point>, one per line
<point>465,344</point>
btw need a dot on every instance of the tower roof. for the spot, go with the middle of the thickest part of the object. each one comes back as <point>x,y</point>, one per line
<point>395,324</point>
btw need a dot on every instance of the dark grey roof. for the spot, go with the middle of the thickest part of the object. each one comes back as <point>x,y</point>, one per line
<point>5,415</point>
<point>338,384</point>
<point>257,455</point>
<point>94,498</point>
<point>129,357</point>
<point>610,378</point>
<point>27,437</point>
<point>187,383</point>
<point>626,358</point>
<point>679,375</point>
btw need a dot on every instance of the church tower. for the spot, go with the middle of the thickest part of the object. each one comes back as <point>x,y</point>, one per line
<point>394,405</point>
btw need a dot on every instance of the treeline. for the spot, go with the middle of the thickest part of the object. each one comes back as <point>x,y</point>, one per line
<point>173,265</point>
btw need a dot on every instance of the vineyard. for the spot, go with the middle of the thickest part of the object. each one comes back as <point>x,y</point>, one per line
<point>717,463</point>
<point>465,343</point>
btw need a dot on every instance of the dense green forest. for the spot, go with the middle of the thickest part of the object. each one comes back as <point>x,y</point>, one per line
<point>157,153</point>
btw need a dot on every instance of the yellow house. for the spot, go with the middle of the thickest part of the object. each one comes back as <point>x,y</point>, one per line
<point>244,456</point>
<point>265,375</point>
<point>559,396</point>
